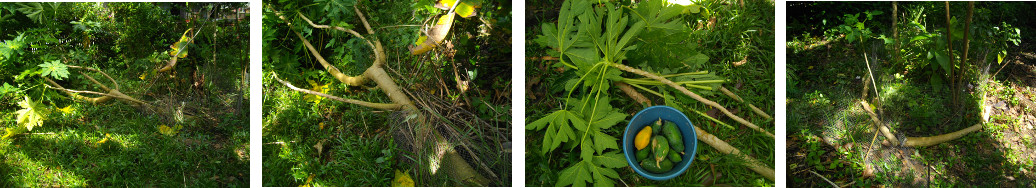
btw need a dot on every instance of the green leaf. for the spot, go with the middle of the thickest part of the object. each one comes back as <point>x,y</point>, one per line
<point>7,88</point>
<point>943,60</point>
<point>33,10</point>
<point>55,69</point>
<point>560,37</point>
<point>559,128</point>
<point>659,15</point>
<point>576,175</point>
<point>611,160</point>
<point>32,114</point>
<point>599,170</point>
<point>697,60</point>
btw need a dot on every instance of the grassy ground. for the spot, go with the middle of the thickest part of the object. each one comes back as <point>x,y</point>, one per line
<point>830,135</point>
<point>740,33</point>
<point>330,143</point>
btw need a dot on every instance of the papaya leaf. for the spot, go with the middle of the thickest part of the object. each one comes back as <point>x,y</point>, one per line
<point>55,69</point>
<point>7,88</point>
<point>559,128</point>
<point>576,175</point>
<point>32,114</point>
<point>659,15</point>
<point>562,36</point>
<point>599,170</point>
<point>33,10</point>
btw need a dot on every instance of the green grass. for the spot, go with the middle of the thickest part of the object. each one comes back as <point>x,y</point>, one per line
<point>68,151</point>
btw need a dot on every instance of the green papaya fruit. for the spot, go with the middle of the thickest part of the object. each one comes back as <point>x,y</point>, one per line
<point>660,146</point>
<point>643,153</point>
<point>672,132</point>
<point>656,166</point>
<point>665,165</point>
<point>675,157</point>
<point>657,128</point>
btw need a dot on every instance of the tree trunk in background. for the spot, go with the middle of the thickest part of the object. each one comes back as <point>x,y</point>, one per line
<point>967,41</point>
<point>895,33</point>
<point>949,49</point>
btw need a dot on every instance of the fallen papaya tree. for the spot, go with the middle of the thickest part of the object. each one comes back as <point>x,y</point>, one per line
<point>917,141</point>
<point>450,159</point>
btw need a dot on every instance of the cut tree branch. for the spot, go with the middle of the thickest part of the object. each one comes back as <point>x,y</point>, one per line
<point>633,93</point>
<point>757,111</point>
<point>382,106</point>
<point>920,141</point>
<point>692,95</point>
<point>98,71</point>
<point>878,124</point>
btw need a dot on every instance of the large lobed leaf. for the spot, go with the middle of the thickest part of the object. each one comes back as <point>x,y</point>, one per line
<point>55,69</point>
<point>599,170</point>
<point>32,114</point>
<point>562,36</point>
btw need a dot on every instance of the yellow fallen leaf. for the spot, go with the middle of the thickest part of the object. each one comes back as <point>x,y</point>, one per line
<point>142,76</point>
<point>103,140</point>
<point>321,125</point>
<point>421,40</point>
<point>402,180</point>
<point>169,131</point>
<point>67,109</point>
<point>322,88</point>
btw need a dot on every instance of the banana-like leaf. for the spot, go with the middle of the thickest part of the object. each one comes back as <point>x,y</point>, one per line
<point>180,47</point>
<point>435,35</point>
<point>465,9</point>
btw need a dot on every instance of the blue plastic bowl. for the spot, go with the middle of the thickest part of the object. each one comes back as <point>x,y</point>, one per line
<point>647,117</point>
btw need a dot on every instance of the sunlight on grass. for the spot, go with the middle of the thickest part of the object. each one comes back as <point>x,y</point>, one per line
<point>37,174</point>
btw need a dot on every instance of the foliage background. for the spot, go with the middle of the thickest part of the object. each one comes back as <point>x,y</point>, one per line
<point>114,144</point>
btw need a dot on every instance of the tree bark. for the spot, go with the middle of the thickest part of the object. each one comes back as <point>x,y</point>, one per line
<point>967,41</point>
<point>949,50</point>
